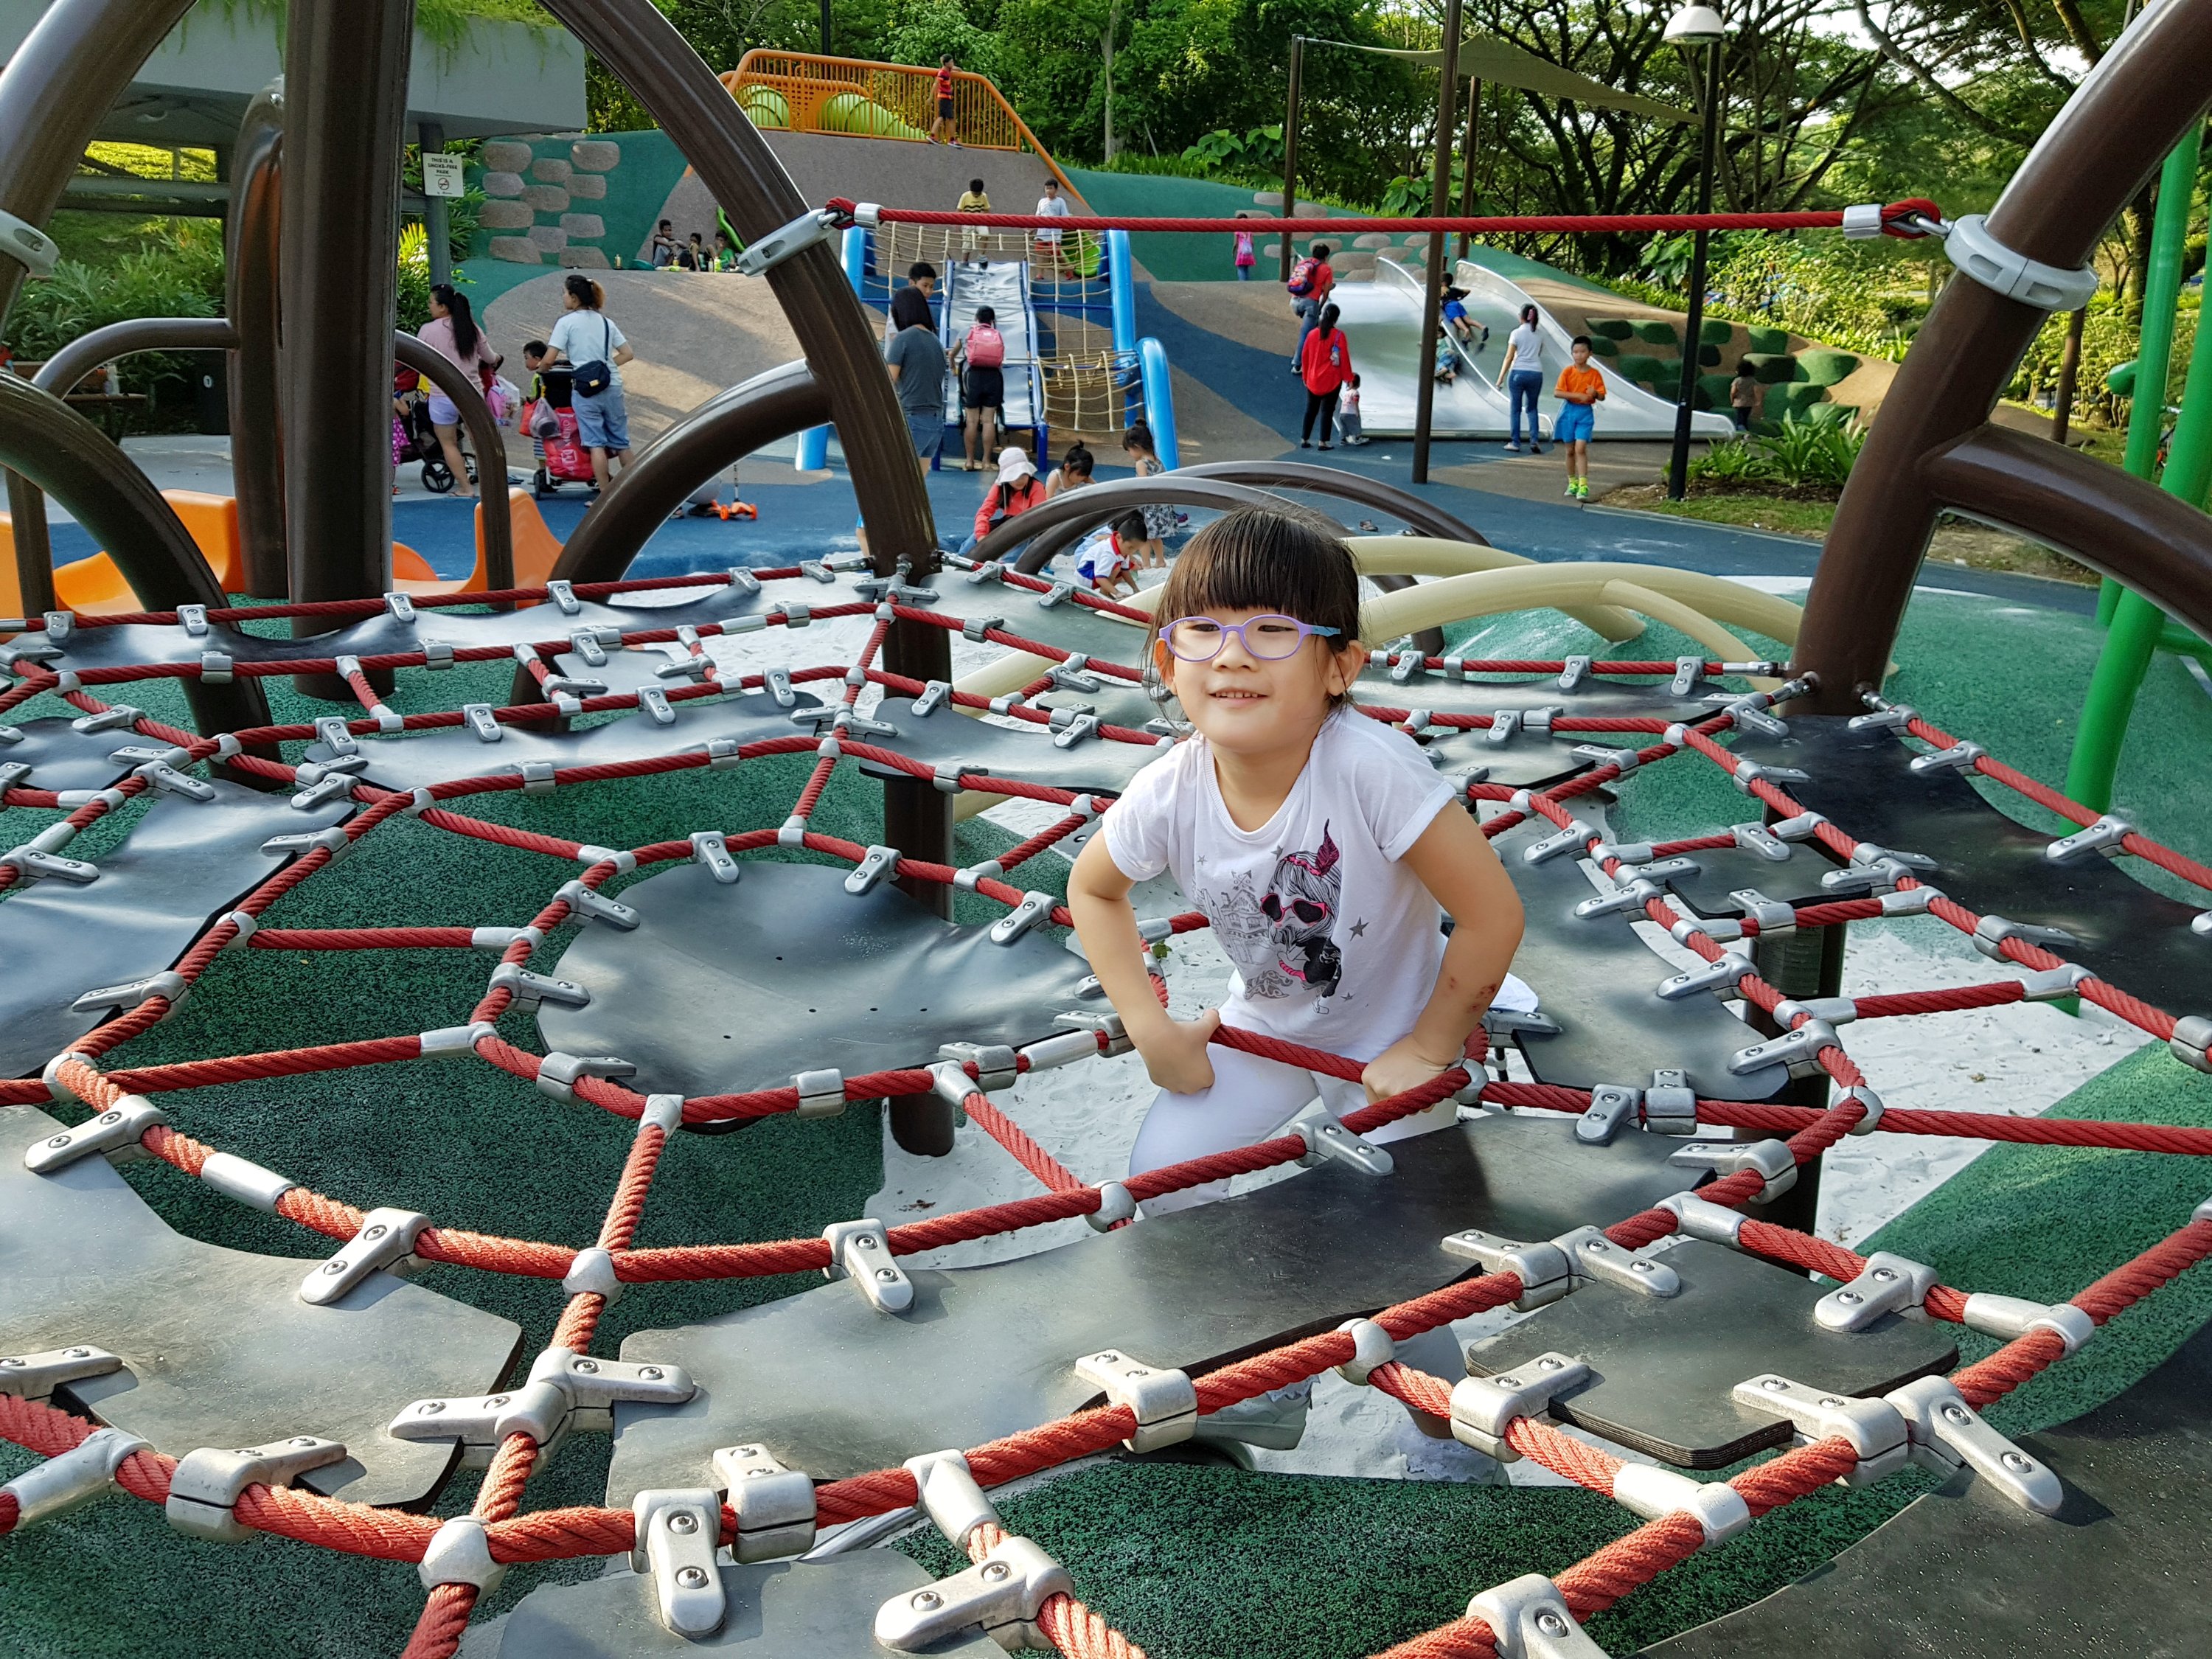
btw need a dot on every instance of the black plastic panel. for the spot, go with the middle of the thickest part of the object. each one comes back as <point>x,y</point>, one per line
<point>2123,1569</point>
<point>1660,1370</point>
<point>725,988</point>
<point>832,1387</point>
<point>184,862</point>
<point>219,1350</point>
<point>1598,979</point>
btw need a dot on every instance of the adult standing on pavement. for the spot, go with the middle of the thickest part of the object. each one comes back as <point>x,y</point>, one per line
<point>941,129</point>
<point>452,333</point>
<point>1523,372</point>
<point>587,338</point>
<point>1325,366</point>
<point>916,359</point>
<point>1051,205</point>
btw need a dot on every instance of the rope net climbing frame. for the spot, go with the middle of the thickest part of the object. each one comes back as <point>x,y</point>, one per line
<point>512,1535</point>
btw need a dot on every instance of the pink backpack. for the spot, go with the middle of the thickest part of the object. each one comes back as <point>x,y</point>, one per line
<point>987,348</point>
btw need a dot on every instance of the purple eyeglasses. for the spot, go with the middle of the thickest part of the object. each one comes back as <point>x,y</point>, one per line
<point>1271,639</point>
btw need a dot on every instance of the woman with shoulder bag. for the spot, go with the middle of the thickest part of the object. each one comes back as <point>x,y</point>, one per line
<point>587,339</point>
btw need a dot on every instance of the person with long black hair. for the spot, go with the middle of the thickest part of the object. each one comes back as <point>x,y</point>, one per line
<point>452,333</point>
<point>1325,367</point>
<point>586,338</point>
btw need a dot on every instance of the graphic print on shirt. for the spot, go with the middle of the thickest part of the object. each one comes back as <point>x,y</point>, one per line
<point>1300,905</point>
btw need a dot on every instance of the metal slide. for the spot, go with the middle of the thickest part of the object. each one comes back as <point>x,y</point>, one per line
<point>1003,285</point>
<point>1384,321</point>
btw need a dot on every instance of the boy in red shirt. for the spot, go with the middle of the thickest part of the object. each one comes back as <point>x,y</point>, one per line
<point>941,129</point>
<point>1580,389</point>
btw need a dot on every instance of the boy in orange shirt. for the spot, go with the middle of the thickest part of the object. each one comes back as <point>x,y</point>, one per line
<point>1580,389</point>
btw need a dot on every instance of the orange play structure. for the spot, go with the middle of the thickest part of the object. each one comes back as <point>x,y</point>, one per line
<point>94,586</point>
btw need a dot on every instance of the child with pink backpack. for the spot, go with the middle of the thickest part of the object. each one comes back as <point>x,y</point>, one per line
<point>981,357</point>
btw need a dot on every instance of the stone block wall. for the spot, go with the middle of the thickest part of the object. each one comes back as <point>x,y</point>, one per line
<point>529,190</point>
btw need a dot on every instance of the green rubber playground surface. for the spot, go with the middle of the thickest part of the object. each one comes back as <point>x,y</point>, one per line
<point>1188,1560</point>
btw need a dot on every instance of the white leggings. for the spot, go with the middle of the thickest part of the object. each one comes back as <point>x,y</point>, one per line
<point>1251,1098</point>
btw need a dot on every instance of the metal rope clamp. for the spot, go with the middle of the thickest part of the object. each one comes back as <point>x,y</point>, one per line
<point>564,1391</point>
<point>1326,1138</point>
<point>206,1485</point>
<point>774,1505</point>
<point>385,1242</point>
<point>114,1134</point>
<point>996,1065</point>
<point>1164,1401</point>
<point>36,1375</point>
<point>1773,1159</point>
<point>676,1532</point>
<point>29,246</point>
<point>1484,1408</point>
<point>1799,1048</point>
<point>70,1479</point>
<point>1946,1434</point>
<point>1528,1618</point>
<point>1003,1594</point>
<point>1888,1283</point>
<point>1875,1428</point>
<point>1968,244</point>
<point>861,1251</point>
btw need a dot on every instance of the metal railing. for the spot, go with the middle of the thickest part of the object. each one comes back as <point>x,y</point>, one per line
<point>804,91</point>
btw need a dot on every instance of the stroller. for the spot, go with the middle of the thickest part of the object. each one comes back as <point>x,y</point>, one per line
<point>414,438</point>
<point>551,424</point>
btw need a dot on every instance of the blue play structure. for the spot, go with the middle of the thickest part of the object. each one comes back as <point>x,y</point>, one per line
<point>1139,367</point>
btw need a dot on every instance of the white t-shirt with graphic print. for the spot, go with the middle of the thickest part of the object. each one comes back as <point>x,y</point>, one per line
<point>1336,942</point>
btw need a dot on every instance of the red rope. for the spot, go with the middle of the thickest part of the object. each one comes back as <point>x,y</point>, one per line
<point>1895,219</point>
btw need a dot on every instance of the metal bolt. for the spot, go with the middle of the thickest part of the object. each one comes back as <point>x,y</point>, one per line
<point>1138,1371</point>
<point>110,1117</point>
<point>1957,1414</point>
<point>1111,1358</point>
<point>2016,1463</point>
<point>590,1367</point>
<point>749,1451</point>
<point>72,1353</point>
<point>303,1440</point>
<point>683,1520</point>
<point>886,1275</point>
<point>377,1232</point>
<point>1639,1267</point>
<point>1552,1625</point>
<point>995,1570</point>
<point>498,1400</point>
<point>692,1578</point>
<point>1597,1244</point>
<point>650,1373</point>
<point>755,1474</point>
<point>1508,1382</point>
<point>1831,1401</point>
<point>864,1242</point>
<point>925,1600</point>
<point>1548,1365</point>
<point>1774,1385</point>
<point>334,1266</point>
<point>1851,1296</point>
<point>1885,1274</point>
<point>430,1408</point>
<point>12,1361</point>
<point>59,1140</point>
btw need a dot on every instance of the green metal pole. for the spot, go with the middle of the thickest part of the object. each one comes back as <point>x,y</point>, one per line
<point>2136,624</point>
<point>2177,186</point>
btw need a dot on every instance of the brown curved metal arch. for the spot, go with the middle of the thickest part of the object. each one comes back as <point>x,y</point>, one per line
<point>55,91</point>
<point>491,451</point>
<point>257,420</point>
<point>1068,517</point>
<point>69,459</point>
<point>2100,150</point>
<point>1424,516</point>
<point>2130,530</point>
<point>725,429</point>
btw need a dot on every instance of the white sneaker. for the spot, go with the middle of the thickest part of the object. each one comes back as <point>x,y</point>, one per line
<point>1513,449</point>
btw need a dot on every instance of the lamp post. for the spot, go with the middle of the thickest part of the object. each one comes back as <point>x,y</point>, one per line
<point>1689,28</point>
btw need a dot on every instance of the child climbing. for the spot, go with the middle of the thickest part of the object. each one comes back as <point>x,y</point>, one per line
<point>1322,845</point>
<point>1102,558</point>
<point>1581,389</point>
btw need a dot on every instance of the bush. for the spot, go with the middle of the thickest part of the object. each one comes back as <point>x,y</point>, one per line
<point>1827,368</point>
<point>1611,328</point>
<point>1600,346</point>
<point>1716,332</point>
<point>182,277</point>
<point>1799,454</point>
<point>1641,368</point>
<point>1773,370</point>
<point>1656,332</point>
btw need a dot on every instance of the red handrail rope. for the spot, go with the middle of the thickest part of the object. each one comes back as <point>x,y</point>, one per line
<point>1898,219</point>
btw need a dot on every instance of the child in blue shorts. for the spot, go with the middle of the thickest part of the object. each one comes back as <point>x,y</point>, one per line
<point>1580,389</point>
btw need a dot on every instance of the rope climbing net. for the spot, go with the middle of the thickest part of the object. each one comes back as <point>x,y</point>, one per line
<point>1682,1519</point>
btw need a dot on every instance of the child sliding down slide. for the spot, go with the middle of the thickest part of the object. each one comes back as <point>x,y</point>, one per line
<point>1321,844</point>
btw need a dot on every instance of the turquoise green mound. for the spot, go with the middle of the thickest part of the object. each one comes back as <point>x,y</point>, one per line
<point>1183,1557</point>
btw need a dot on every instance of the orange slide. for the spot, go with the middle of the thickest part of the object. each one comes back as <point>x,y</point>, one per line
<point>96,586</point>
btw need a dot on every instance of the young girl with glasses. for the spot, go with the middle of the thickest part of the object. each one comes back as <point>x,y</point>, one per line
<point>1321,844</point>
